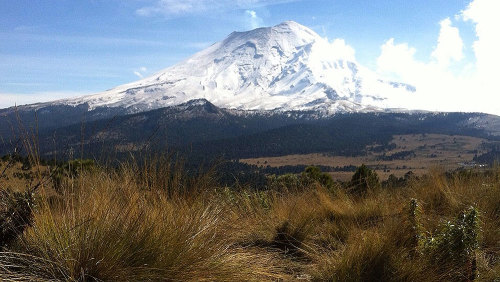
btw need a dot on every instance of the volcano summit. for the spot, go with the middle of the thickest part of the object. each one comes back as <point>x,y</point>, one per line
<point>284,67</point>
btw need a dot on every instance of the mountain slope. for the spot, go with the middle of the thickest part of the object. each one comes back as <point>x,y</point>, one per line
<point>285,67</point>
<point>201,131</point>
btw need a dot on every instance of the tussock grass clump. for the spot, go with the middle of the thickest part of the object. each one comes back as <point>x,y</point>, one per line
<point>106,227</point>
<point>156,221</point>
<point>16,214</point>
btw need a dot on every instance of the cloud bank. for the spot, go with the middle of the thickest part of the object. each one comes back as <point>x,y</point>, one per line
<point>439,85</point>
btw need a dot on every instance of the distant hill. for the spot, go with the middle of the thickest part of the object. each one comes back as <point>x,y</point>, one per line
<point>201,130</point>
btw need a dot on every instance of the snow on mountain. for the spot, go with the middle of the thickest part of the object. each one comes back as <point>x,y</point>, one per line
<point>285,67</point>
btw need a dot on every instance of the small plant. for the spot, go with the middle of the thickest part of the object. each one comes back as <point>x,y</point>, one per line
<point>457,243</point>
<point>414,226</point>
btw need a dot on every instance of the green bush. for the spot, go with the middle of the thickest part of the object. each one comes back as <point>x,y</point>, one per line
<point>284,183</point>
<point>71,169</point>
<point>292,182</point>
<point>314,174</point>
<point>363,180</point>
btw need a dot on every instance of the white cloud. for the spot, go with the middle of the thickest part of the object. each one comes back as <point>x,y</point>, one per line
<point>11,99</point>
<point>171,7</point>
<point>333,50</point>
<point>340,47</point>
<point>450,44</point>
<point>254,21</point>
<point>140,72</point>
<point>26,28</point>
<point>397,60</point>
<point>474,88</point>
<point>433,83</point>
<point>87,40</point>
<point>484,14</point>
<point>175,8</point>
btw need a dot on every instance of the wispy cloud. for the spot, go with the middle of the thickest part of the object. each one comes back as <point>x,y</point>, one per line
<point>198,45</point>
<point>26,28</point>
<point>87,40</point>
<point>141,72</point>
<point>13,99</point>
<point>176,8</point>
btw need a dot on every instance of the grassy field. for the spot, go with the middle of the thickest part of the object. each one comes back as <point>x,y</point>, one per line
<point>428,151</point>
<point>154,222</point>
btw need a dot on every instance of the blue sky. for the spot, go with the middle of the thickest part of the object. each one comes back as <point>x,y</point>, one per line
<point>60,48</point>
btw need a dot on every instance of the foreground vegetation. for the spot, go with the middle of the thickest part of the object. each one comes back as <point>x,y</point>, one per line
<point>155,221</point>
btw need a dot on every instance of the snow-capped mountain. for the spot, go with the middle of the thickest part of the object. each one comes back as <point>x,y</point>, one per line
<point>285,67</point>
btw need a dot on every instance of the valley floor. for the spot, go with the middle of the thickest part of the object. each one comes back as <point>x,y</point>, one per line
<point>415,152</point>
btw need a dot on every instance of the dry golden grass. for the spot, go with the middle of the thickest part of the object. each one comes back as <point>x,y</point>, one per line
<point>16,178</point>
<point>106,227</point>
<point>153,222</point>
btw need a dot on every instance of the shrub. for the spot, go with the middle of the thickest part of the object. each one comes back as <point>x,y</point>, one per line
<point>285,183</point>
<point>363,180</point>
<point>314,174</point>
<point>71,169</point>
